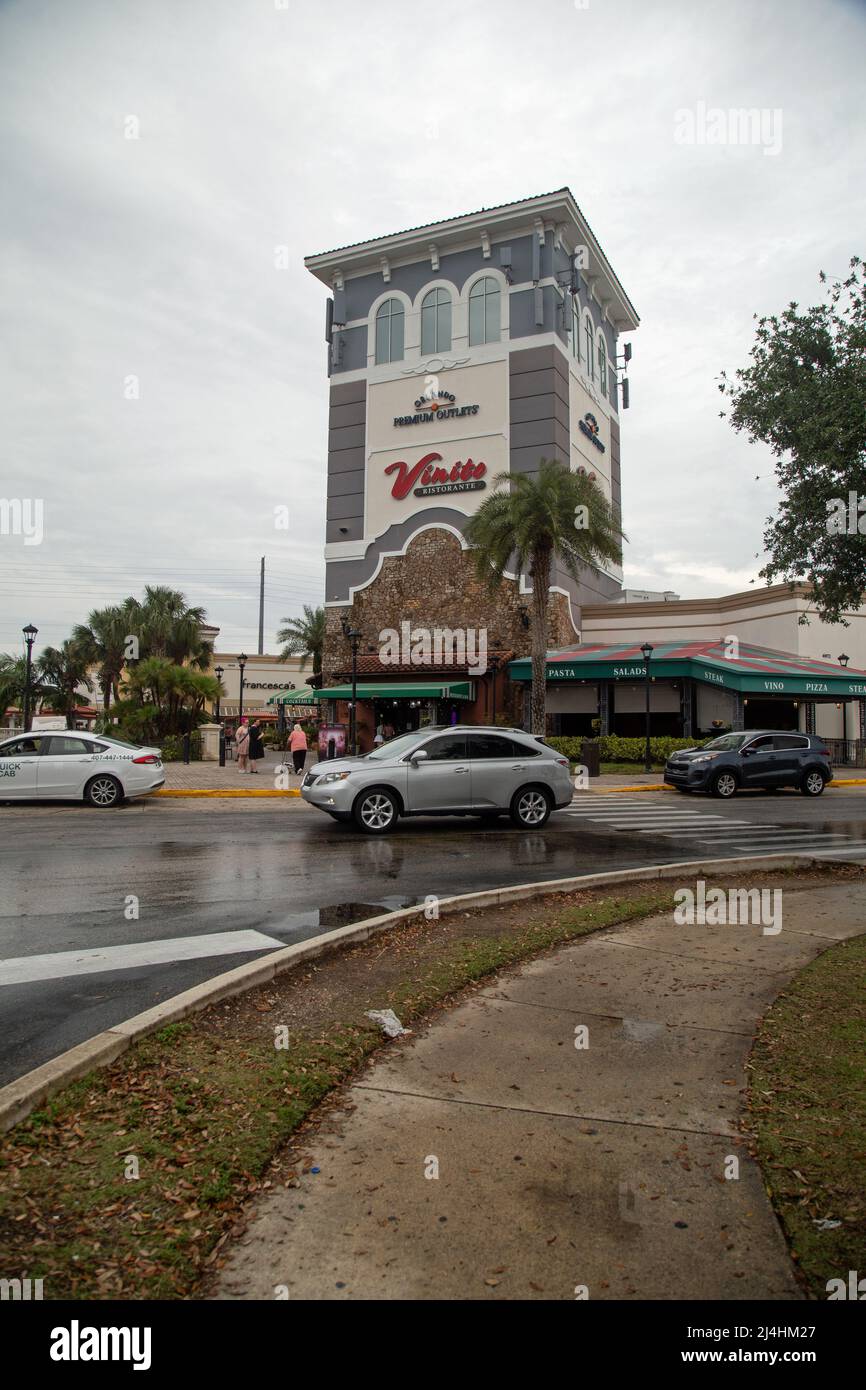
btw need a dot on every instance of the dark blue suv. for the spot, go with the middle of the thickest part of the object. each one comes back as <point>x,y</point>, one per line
<point>759,758</point>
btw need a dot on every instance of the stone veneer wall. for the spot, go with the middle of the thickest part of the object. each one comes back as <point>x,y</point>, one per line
<point>435,585</point>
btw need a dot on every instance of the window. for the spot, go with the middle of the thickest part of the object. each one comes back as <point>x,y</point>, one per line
<point>22,747</point>
<point>436,322</point>
<point>68,747</point>
<point>761,745</point>
<point>448,748</point>
<point>389,331</point>
<point>490,746</point>
<point>590,363</point>
<point>575,334</point>
<point>786,741</point>
<point>484,312</point>
<point>602,365</point>
<point>498,746</point>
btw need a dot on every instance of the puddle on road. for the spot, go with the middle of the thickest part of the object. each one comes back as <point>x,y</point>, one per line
<point>298,926</point>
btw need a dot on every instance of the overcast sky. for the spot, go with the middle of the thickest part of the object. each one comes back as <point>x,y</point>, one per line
<point>314,125</point>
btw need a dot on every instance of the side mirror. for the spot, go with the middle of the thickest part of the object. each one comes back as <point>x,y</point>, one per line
<point>747,752</point>
<point>421,756</point>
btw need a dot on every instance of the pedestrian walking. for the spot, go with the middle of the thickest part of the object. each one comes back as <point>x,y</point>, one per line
<point>298,745</point>
<point>387,731</point>
<point>257,747</point>
<point>379,736</point>
<point>242,743</point>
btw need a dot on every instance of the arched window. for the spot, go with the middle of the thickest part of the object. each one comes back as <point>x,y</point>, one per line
<point>575,332</point>
<point>389,331</point>
<point>484,312</point>
<point>590,359</point>
<point>602,365</point>
<point>436,322</point>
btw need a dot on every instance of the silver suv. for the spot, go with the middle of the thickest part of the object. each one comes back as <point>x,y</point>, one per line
<point>462,770</point>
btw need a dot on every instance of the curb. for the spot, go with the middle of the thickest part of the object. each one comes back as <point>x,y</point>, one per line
<point>207,791</point>
<point>21,1096</point>
<point>661,787</point>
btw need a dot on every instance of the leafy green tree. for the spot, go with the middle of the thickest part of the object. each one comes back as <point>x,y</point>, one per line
<point>804,395</point>
<point>13,679</point>
<point>103,643</point>
<point>168,627</point>
<point>63,671</point>
<point>161,697</point>
<point>305,637</point>
<point>552,514</point>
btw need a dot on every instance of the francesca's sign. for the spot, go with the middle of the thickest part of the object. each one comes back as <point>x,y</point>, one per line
<point>433,479</point>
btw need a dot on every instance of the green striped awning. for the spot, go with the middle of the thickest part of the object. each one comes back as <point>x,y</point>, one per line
<point>414,690</point>
<point>725,662</point>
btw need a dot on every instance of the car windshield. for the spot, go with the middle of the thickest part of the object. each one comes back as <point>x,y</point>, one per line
<point>727,743</point>
<point>396,747</point>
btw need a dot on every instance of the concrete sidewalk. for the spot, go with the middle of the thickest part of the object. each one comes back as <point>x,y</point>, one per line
<point>209,776</point>
<point>558,1167</point>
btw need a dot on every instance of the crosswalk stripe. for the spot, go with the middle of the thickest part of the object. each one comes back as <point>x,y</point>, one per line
<point>20,970</point>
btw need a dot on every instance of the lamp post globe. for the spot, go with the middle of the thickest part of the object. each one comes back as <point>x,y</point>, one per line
<point>647,651</point>
<point>242,661</point>
<point>29,637</point>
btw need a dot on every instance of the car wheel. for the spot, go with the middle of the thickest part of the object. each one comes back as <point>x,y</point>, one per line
<point>103,790</point>
<point>813,782</point>
<point>376,811</point>
<point>530,808</point>
<point>724,784</point>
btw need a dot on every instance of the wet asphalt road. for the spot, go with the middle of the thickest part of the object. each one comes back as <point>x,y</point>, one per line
<point>219,867</point>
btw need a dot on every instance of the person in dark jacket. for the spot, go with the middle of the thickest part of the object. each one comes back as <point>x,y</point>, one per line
<point>256,748</point>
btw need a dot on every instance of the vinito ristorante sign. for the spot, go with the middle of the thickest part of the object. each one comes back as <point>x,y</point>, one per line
<point>432,480</point>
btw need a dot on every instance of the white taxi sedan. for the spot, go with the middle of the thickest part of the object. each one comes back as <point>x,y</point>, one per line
<point>74,765</point>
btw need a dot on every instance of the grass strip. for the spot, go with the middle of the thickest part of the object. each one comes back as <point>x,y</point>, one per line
<point>807,1099</point>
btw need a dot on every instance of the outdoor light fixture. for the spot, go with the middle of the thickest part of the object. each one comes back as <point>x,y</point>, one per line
<point>29,637</point>
<point>354,636</point>
<point>218,672</point>
<point>242,661</point>
<point>843,661</point>
<point>647,651</point>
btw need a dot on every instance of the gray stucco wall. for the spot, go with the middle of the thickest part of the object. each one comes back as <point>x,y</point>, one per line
<point>347,417</point>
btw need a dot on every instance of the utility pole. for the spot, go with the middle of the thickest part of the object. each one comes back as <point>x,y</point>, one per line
<point>262,609</point>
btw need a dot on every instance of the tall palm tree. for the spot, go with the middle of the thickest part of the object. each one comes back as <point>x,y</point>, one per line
<point>305,637</point>
<point>13,678</point>
<point>551,514</point>
<point>168,627</point>
<point>103,643</point>
<point>63,671</point>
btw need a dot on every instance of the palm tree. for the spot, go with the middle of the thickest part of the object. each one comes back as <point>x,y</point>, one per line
<point>103,640</point>
<point>64,670</point>
<point>13,678</point>
<point>168,627</point>
<point>305,637</point>
<point>551,514</point>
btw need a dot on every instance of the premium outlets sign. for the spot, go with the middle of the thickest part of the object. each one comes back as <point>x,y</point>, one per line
<point>434,440</point>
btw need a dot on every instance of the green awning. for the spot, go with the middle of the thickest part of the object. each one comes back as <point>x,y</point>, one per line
<point>382,690</point>
<point>725,662</point>
<point>303,696</point>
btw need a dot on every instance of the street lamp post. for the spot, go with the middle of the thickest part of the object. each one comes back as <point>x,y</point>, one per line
<point>242,661</point>
<point>29,637</point>
<point>647,651</point>
<point>354,637</point>
<point>218,672</point>
<point>843,661</point>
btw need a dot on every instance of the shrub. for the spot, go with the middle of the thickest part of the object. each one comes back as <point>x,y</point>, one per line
<point>172,747</point>
<point>613,749</point>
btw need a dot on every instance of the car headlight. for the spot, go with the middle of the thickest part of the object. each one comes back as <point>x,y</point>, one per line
<point>334,777</point>
<point>704,758</point>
